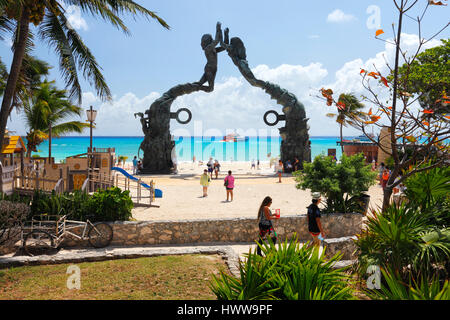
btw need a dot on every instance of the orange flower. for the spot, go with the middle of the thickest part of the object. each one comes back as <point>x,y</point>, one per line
<point>428,111</point>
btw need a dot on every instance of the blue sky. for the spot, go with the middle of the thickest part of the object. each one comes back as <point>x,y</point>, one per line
<point>301,45</point>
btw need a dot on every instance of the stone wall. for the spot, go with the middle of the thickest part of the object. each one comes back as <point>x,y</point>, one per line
<point>225,230</point>
<point>137,233</point>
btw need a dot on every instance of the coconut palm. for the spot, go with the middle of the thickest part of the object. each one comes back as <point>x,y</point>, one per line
<point>348,108</point>
<point>31,73</point>
<point>49,107</point>
<point>49,17</point>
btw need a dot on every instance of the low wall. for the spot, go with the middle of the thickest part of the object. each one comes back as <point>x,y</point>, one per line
<point>136,233</point>
<point>226,230</point>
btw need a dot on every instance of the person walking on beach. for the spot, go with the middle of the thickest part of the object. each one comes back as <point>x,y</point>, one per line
<point>135,163</point>
<point>257,165</point>
<point>229,185</point>
<point>265,224</point>
<point>384,178</point>
<point>253,165</point>
<point>216,168</point>
<point>296,164</point>
<point>314,224</point>
<point>279,170</point>
<point>210,165</point>
<point>204,181</point>
<point>380,176</point>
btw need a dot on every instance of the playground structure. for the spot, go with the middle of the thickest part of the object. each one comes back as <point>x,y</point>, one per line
<point>87,172</point>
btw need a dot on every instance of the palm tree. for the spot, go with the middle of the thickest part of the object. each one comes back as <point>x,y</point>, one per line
<point>31,73</point>
<point>53,28</point>
<point>348,108</point>
<point>47,109</point>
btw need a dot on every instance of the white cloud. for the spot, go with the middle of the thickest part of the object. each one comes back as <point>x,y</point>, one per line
<point>313,36</point>
<point>73,14</point>
<point>338,16</point>
<point>234,104</point>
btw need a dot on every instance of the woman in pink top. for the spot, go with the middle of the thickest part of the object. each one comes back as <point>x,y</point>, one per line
<point>229,185</point>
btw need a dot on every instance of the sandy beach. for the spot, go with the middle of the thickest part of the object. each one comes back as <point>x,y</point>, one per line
<point>182,194</point>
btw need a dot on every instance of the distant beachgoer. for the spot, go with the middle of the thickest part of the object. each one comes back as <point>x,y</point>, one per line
<point>314,224</point>
<point>384,178</point>
<point>280,170</point>
<point>193,159</point>
<point>216,168</point>
<point>257,165</point>
<point>374,165</point>
<point>135,163</point>
<point>265,224</point>
<point>229,185</point>
<point>288,166</point>
<point>139,167</point>
<point>210,166</point>
<point>296,164</point>
<point>253,164</point>
<point>204,181</point>
<point>381,170</point>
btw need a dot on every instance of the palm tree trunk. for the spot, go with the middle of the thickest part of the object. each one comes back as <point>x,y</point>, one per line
<point>16,65</point>
<point>342,138</point>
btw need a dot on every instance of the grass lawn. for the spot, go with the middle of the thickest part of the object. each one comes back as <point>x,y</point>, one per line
<point>155,278</point>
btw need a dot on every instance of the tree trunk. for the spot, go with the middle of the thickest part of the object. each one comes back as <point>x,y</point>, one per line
<point>342,138</point>
<point>387,192</point>
<point>16,65</point>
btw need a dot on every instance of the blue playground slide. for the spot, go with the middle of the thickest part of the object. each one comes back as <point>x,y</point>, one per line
<point>158,192</point>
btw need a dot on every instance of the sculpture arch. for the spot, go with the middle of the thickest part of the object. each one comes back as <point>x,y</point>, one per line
<point>157,145</point>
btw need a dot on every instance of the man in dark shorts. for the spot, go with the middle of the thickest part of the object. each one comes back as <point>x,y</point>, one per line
<point>314,224</point>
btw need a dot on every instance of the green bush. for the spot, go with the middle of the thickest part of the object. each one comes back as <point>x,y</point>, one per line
<point>341,184</point>
<point>110,205</point>
<point>287,272</point>
<point>105,205</point>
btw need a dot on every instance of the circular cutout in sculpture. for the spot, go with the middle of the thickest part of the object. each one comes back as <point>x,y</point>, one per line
<point>277,118</point>
<point>177,115</point>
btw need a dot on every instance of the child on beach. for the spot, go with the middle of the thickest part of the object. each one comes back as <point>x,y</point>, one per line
<point>314,224</point>
<point>204,181</point>
<point>216,168</point>
<point>229,185</point>
<point>384,178</point>
<point>280,170</point>
<point>265,224</point>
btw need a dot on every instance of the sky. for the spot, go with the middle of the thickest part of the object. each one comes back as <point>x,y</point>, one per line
<point>302,46</point>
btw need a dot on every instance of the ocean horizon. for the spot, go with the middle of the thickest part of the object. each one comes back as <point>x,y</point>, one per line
<point>202,147</point>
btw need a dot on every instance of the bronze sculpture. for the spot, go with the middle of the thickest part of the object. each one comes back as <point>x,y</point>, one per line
<point>158,144</point>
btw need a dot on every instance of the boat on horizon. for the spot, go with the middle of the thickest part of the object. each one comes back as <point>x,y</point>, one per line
<point>234,137</point>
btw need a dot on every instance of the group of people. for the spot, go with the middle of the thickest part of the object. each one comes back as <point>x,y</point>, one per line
<point>228,182</point>
<point>213,167</point>
<point>137,165</point>
<point>266,229</point>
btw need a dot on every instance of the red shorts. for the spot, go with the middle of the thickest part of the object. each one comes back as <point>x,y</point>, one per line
<point>314,234</point>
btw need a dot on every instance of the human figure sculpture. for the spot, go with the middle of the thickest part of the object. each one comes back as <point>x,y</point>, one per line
<point>209,46</point>
<point>295,133</point>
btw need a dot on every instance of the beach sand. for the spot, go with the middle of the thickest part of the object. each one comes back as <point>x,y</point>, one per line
<point>182,194</point>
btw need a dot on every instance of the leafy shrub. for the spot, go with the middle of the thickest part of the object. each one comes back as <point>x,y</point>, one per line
<point>110,205</point>
<point>289,272</point>
<point>105,205</point>
<point>341,183</point>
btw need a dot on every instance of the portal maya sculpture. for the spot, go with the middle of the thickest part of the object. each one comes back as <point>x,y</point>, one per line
<point>158,144</point>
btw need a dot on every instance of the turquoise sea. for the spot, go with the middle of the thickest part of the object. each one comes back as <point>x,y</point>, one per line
<point>187,147</point>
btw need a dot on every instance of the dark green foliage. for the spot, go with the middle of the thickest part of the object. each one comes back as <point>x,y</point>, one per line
<point>411,241</point>
<point>337,182</point>
<point>111,204</point>
<point>105,205</point>
<point>287,272</point>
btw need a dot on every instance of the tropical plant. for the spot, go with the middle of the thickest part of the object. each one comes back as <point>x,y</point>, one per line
<point>340,183</point>
<point>110,205</point>
<point>348,108</point>
<point>48,107</point>
<point>290,271</point>
<point>429,188</point>
<point>405,238</point>
<point>421,289</point>
<point>53,27</point>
